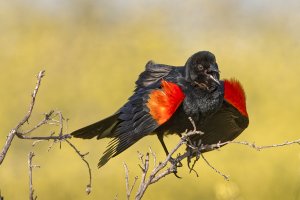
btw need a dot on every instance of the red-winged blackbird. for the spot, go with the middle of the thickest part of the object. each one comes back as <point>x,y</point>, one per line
<point>164,98</point>
<point>229,121</point>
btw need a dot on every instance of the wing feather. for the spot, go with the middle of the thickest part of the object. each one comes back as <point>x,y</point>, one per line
<point>145,111</point>
<point>152,74</point>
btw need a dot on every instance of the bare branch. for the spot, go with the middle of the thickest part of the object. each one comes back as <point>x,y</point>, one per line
<point>158,172</point>
<point>128,192</point>
<point>154,156</point>
<point>30,167</point>
<point>47,138</point>
<point>12,133</point>
<point>34,94</point>
<point>253,145</point>
<point>128,188</point>
<point>88,189</point>
<point>51,118</point>
<point>225,176</point>
<point>61,125</point>
<point>249,144</point>
<point>194,150</point>
<point>47,119</point>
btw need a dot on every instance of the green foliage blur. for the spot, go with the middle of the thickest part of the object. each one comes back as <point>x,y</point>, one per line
<point>93,51</point>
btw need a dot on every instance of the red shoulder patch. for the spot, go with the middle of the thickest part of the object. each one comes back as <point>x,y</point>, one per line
<point>235,95</point>
<point>164,102</point>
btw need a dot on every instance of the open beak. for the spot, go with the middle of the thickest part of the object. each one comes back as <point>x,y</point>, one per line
<point>214,73</point>
<point>214,79</point>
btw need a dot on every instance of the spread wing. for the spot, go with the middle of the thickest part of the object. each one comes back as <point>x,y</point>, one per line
<point>153,73</point>
<point>145,111</point>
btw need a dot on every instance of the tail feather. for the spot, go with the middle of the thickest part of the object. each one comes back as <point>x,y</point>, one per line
<point>123,141</point>
<point>101,129</point>
<point>115,147</point>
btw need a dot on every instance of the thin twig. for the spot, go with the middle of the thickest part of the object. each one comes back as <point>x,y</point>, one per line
<point>128,188</point>
<point>46,120</point>
<point>253,145</point>
<point>127,181</point>
<point>249,144</point>
<point>47,138</point>
<point>154,156</point>
<point>30,167</point>
<point>157,172</point>
<point>61,125</point>
<point>88,189</point>
<point>216,170</point>
<point>12,133</point>
<point>143,186</point>
<point>133,184</point>
<point>49,118</point>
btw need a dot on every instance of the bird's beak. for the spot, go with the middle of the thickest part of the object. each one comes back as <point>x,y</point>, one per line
<point>214,79</point>
<point>213,68</point>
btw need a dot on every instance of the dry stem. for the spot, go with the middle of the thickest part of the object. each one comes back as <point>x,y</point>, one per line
<point>52,118</point>
<point>30,167</point>
<point>13,132</point>
<point>161,170</point>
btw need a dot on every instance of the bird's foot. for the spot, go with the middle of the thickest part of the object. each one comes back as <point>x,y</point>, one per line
<point>175,163</point>
<point>194,151</point>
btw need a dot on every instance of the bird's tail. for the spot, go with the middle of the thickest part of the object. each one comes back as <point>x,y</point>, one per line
<point>101,129</point>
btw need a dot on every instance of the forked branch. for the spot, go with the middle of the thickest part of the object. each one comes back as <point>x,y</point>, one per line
<point>14,131</point>
<point>194,151</point>
<point>161,170</point>
<point>52,118</point>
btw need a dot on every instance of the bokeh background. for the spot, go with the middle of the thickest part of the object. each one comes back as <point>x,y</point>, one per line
<point>93,51</point>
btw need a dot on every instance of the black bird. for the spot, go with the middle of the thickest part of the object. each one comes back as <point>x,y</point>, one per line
<point>164,98</point>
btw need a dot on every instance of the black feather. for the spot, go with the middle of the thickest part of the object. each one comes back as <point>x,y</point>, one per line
<point>100,129</point>
<point>153,74</point>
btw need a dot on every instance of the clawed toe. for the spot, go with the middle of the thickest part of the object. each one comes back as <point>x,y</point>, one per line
<point>175,163</point>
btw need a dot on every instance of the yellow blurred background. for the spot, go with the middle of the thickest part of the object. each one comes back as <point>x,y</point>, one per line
<point>93,51</point>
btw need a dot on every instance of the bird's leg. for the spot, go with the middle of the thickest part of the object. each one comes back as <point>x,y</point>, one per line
<point>160,137</point>
<point>172,160</point>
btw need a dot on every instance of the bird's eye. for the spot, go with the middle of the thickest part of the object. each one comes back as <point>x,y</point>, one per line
<point>200,67</point>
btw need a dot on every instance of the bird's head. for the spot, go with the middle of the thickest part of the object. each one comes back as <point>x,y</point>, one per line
<point>202,71</point>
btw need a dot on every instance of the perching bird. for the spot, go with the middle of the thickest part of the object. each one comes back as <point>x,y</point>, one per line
<point>229,121</point>
<point>164,98</point>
